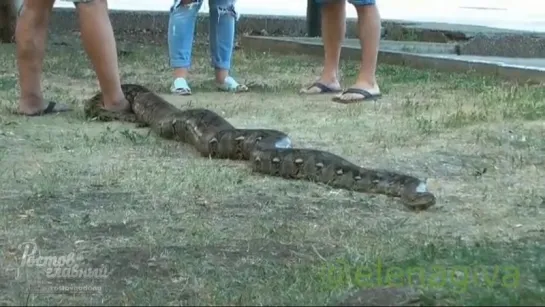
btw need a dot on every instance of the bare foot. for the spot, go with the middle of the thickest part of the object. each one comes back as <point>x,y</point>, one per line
<point>360,91</point>
<point>117,106</point>
<point>37,107</point>
<point>322,87</point>
<point>372,88</point>
<point>229,84</point>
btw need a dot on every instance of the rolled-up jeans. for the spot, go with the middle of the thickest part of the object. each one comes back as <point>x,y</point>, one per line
<point>181,32</point>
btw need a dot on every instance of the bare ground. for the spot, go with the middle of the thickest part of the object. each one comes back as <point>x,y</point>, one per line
<point>171,228</point>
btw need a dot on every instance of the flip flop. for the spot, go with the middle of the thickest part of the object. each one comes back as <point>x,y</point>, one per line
<point>231,85</point>
<point>52,108</point>
<point>365,96</point>
<point>180,87</point>
<point>324,89</point>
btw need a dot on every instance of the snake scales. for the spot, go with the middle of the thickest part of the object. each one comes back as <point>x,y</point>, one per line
<point>269,151</point>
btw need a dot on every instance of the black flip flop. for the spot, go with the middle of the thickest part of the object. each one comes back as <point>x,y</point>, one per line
<point>52,108</point>
<point>324,89</point>
<point>366,96</point>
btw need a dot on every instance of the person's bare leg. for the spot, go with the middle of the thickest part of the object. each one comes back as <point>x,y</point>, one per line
<point>180,73</point>
<point>369,35</point>
<point>333,32</point>
<point>99,42</point>
<point>31,37</point>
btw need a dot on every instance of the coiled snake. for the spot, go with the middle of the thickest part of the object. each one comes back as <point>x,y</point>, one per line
<point>269,151</point>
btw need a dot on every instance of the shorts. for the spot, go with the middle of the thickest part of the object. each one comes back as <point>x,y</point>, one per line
<point>353,2</point>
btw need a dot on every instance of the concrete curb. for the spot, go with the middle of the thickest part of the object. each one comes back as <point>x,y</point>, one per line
<point>440,62</point>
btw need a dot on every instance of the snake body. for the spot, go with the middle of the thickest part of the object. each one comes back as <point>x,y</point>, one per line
<point>269,151</point>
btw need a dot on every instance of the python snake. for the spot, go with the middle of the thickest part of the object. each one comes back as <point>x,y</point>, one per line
<point>269,151</point>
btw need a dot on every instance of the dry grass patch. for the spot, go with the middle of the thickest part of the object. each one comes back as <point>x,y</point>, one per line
<point>174,229</point>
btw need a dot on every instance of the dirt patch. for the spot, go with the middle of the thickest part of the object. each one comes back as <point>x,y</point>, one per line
<point>384,297</point>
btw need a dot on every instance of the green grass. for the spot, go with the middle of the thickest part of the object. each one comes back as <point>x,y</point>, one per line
<point>176,229</point>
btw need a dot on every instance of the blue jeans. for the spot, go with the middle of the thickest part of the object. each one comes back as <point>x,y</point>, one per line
<point>181,31</point>
<point>354,2</point>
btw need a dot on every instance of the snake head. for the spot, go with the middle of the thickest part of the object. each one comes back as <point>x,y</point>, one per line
<point>419,201</point>
<point>418,198</point>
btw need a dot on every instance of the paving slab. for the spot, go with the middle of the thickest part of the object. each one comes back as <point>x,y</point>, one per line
<point>469,30</point>
<point>410,46</point>
<point>523,70</point>
<point>506,45</point>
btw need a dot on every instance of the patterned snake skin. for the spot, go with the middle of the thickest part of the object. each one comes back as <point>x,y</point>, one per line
<point>269,151</point>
